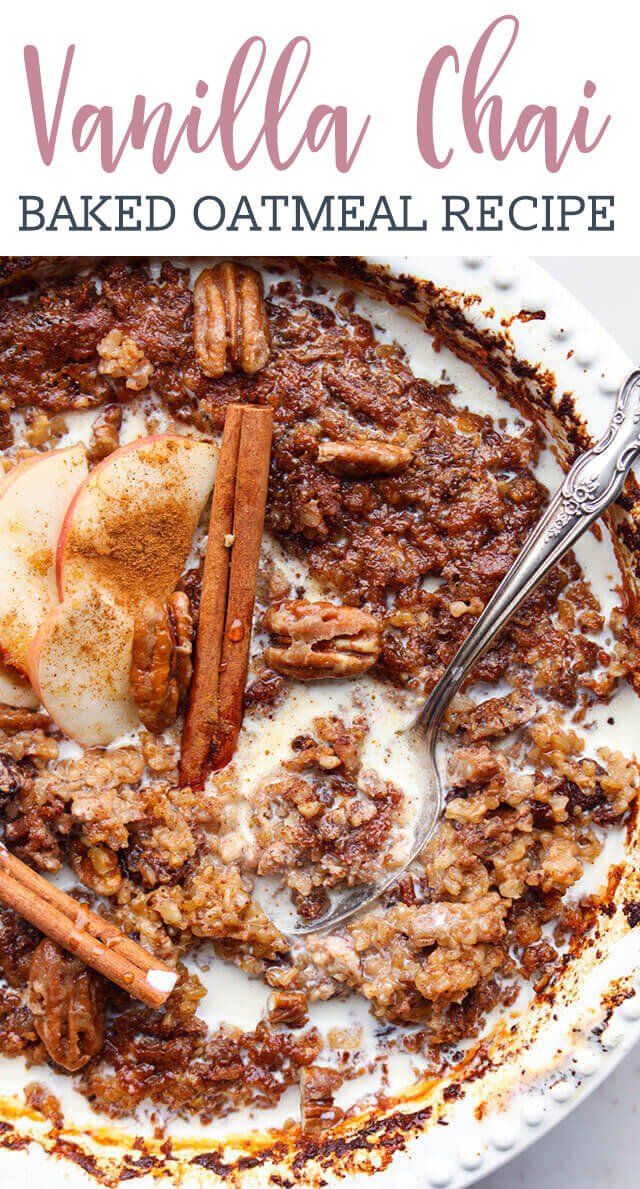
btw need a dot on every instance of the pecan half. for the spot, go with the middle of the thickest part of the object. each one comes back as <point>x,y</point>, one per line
<point>161,659</point>
<point>230,325</point>
<point>105,433</point>
<point>319,640</point>
<point>67,1004</point>
<point>357,457</point>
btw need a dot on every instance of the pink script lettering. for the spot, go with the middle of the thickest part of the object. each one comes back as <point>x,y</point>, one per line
<point>483,110</point>
<point>159,129</point>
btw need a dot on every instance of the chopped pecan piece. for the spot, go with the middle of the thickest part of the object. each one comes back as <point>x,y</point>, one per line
<point>357,457</point>
<point>320,640</point>
<point>97,867</point>
<point>105,433</point>
<point>494,717</point>
<point>287,1007</point>
<point>41,428</point>
<point>264,691</point>
<point>458,607</point>
<point>473,765</point>
<point>12,780</point>
<point>340,745</point>
<point>345,1040</point>
<point>66,1000</point>
<point>14,719</point>
<point>122,358</point>
<point>41,1099</point>
<point>317,1110</point>
<point>230,325</point>
<point>308,753</point>
<point>161,659</point>
<point>346,740</point>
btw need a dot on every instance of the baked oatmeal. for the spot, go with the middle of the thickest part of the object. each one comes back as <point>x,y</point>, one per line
<point>392,513</point>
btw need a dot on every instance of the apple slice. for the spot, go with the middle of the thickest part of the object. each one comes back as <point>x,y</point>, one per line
<point>15,691</point>
<point>34,497</point>
<point>130,526</point>
<point>79,665</point>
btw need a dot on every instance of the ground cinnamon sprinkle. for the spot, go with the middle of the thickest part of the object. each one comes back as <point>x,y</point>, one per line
<point>156,510</point>
<point>41,561</point>
<point>116,559</point>
<point>101,632</point>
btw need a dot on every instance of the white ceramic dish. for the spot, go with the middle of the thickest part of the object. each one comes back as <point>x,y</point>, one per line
<point>536,1066</point>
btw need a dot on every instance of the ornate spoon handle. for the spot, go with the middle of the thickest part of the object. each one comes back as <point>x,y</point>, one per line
<point>593,483</point>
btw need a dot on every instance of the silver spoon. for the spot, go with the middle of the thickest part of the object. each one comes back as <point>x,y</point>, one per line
<point>593,483</point>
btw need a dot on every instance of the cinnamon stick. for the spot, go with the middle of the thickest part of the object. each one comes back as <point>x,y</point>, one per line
<point>201,722</point>
<point>215,710</point>
<point>76,928</point>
